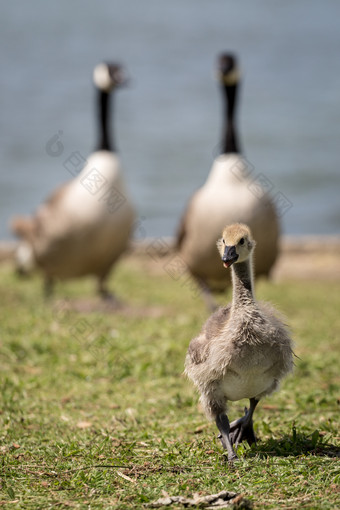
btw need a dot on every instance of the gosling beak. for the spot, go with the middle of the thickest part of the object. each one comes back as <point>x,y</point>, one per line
<point>229,256</point>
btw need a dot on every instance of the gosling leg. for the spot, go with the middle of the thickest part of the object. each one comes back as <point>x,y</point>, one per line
<point>223,426</point>
<point>242,429</point>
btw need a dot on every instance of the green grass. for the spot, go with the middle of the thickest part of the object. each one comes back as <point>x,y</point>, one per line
<point>96,413</point>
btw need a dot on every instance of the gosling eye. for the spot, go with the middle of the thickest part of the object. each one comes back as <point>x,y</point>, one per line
<point>242,241</point>
<point>223,241</point>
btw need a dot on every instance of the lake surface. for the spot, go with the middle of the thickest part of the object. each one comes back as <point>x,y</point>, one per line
<point>168,119</point>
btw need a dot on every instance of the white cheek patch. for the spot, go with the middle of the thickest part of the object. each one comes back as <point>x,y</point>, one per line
<point>101,78</point>
<point>219,245</point>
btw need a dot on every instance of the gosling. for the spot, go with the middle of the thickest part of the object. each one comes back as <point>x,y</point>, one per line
<point>243,350</point>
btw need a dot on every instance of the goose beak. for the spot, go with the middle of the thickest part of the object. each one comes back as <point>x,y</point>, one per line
<point>124,80</point>
<point>118,75</point>
<point>229,256</point>
<point>121,78</point>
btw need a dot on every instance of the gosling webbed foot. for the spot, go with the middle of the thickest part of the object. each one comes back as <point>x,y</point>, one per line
<point>222,423</point>
<point>242,429</point>
<point>231,454</point>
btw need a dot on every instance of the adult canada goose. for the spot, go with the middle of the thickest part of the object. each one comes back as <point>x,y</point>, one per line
<point>228,196</point>
<point>243,350</point>
<point>85,226</point>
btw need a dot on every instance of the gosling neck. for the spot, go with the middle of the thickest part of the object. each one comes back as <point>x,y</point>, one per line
<point>229,133</point>
<point>105,142</point>
<point>242,278</point>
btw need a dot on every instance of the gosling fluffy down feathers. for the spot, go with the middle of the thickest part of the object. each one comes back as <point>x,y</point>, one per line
<point>244,348</point>
<point>232,359</point>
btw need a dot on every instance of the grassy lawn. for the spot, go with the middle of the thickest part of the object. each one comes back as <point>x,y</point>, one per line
<point>96,413</point>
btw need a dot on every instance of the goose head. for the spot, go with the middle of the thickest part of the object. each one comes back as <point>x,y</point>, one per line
<point>236,244</point>
<point>228,71</point>
<point>107,76</point>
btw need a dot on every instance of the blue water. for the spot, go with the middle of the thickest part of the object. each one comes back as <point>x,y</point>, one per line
<point>168,120</point>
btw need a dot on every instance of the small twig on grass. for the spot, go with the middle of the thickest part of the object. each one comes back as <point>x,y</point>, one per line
<point>119,473</point>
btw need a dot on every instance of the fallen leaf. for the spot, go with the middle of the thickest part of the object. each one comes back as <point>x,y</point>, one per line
<point>84,424</point>
<point>131,412</point>
<point>64,400</point>
<point>200,429</point>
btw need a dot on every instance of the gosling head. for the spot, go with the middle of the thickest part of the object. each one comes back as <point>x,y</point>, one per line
<point>236,244</point>
<point>107,76</point>
<point>228,71</point>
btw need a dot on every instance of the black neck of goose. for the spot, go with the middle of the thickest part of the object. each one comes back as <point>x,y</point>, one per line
<point>105,135</point>
<point>242,277</point>
<point>229,137</point>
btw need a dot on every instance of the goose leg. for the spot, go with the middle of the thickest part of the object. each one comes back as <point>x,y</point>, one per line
<point>103,289</point>
<point>48,287</point>
<point>223,426</point>
<point>109,298</point>
<point>242,429</point>
<point>208,297</point>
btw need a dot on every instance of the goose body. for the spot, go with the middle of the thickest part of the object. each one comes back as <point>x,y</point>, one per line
<point>226,197</point>
<point>77,223</point>
<point>243,350</point>
<point>85,225</point>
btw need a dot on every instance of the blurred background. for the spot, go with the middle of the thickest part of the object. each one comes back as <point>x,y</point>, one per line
<point>168,120</point>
